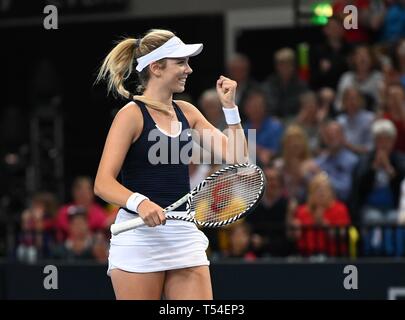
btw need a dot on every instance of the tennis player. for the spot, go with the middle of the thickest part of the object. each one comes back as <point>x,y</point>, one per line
<point>169,260</point>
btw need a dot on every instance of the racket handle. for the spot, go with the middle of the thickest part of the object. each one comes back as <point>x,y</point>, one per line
<point>117,228</point>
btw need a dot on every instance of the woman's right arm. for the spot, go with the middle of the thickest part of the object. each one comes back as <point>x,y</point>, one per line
<point>123,132</point>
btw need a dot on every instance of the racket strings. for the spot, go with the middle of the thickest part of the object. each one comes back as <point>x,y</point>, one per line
<point>227,196</point>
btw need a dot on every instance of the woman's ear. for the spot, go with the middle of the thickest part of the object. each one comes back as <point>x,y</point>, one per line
<point>155,69</point>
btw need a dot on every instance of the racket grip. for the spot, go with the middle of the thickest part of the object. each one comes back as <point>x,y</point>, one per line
<point>117,228</point>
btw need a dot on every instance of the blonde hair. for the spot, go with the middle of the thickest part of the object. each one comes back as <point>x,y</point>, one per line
<point>320,180</point>
<point>119,63</point>
<point>297,133</point>
<point>285,54</point>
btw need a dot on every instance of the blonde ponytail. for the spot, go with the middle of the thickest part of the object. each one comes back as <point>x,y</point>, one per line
<point>117,66</point>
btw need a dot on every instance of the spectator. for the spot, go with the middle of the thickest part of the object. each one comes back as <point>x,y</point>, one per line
<point>329,59</point>
<point>83,196</point>
<point>268,129</point>
<point>269,218</point>
<point>296,163</point>
<point>37,223</point>
<point>398,60</point>
<point>326,101</point>
<point>240,242</point>
<point>310,117</point>
<point>210,106</point>
<point>392,24</point>
<point>79,244</point>
<point>321,210</point>
<point>356,122</point>
<point>337,161</point>
<point>284,87</point>
<point>364,76</point>
<point>395,112</point>
<point>378,177</point>
<point>238,68</point>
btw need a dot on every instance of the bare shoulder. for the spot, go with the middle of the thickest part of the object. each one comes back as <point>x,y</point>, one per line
<point>131,108</point>
<point>190,111</point>
<point>185,106</point>
<point>129,118</point>
<point>128,113</point>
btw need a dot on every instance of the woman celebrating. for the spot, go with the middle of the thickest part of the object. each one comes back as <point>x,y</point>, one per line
<point>168,260</point>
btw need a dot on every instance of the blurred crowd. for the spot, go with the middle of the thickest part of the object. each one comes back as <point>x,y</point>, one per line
<point>330,137</point>
<point>73,231</point>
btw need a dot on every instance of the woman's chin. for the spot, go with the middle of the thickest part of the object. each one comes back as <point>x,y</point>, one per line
<point>179,89</point>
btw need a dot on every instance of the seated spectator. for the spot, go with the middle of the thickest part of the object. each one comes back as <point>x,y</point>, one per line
<point>240,242</point>
<point>269,219</point>
<point>356,122</point>
<point>284,87</point>
<point>210,106</point>
<point>310,117</point>
<point>364,76</point>
<point>100,247</point>
<point>238,69</point>
<point>37,223</point>
<point>83,196</point>
<point>296,164</point>
<point>337,161</point>
<point>80,243</point>
<point>326,102</point>
<point>268,129</point>
<point>378,177</point>
<point>395,112</point>
<point>321,211</point>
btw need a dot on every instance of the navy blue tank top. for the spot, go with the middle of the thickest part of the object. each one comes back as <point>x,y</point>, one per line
<point>156,164</point>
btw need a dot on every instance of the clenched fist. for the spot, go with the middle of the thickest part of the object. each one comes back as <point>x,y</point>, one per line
<point>226,89</point>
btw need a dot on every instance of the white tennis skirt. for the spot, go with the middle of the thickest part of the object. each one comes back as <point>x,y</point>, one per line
<point>176,245</point>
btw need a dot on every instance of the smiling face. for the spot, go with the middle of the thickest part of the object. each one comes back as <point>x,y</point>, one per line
<point>175,73</point>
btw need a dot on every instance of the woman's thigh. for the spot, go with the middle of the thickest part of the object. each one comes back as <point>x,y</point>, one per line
<point>188,284</point>
<point>137,286</point>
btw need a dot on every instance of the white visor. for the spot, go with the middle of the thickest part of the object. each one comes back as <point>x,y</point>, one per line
<point>173,48</point>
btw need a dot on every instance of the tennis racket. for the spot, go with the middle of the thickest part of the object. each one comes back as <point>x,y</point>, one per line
<point>220,199</point>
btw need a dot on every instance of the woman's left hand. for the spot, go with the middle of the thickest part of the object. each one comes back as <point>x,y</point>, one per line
<point>226,89</point>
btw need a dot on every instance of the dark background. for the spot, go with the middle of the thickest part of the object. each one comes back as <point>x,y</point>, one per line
<point>76,52</point>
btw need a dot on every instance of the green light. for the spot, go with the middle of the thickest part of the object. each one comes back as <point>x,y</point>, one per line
<point>321,11</point>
